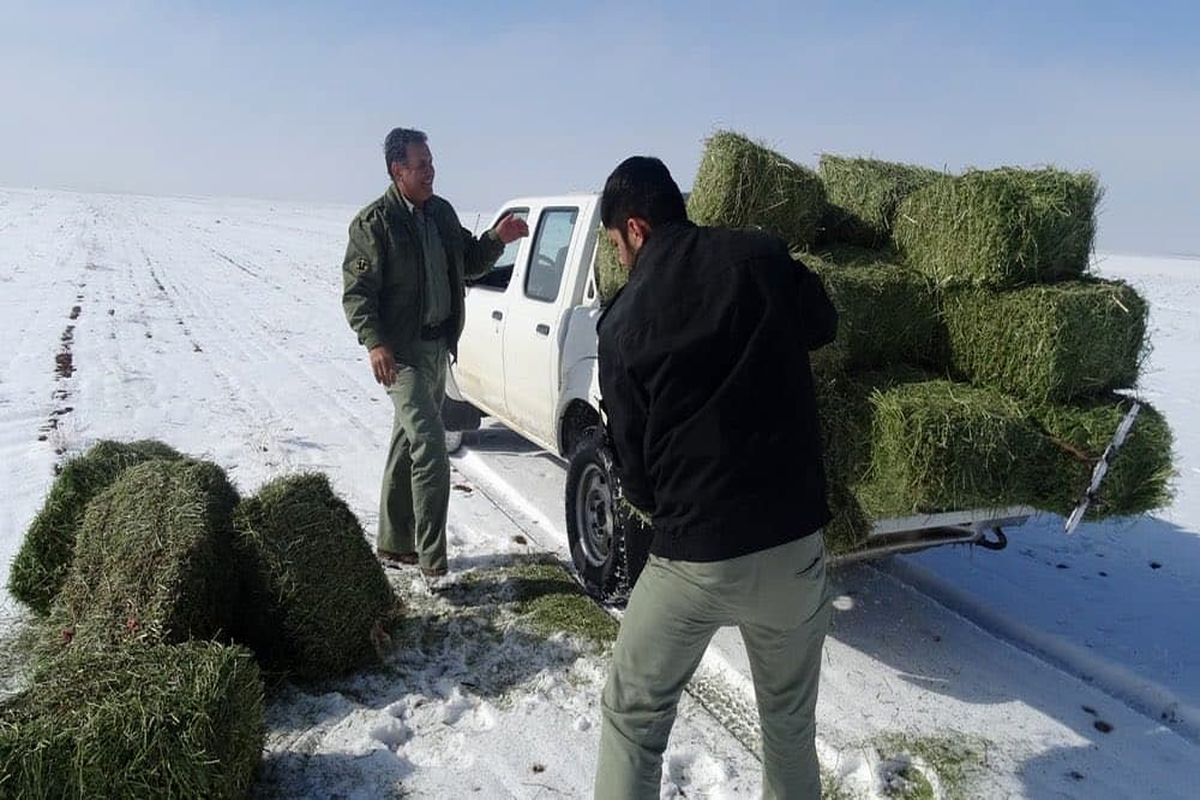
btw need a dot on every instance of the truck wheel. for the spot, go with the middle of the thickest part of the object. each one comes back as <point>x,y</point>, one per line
<point>458,416</point>
<point>609,547</point>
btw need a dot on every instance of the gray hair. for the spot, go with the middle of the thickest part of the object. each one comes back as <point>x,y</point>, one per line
<point>395,146</point>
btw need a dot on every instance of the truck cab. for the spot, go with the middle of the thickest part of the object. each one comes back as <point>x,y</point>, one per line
<point>527,355</point>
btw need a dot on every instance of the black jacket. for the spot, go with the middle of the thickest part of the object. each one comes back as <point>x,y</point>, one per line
<point>709,394</point>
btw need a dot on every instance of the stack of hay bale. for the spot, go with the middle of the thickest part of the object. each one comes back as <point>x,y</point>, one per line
<point>977,362</point>
<point>157,588</point>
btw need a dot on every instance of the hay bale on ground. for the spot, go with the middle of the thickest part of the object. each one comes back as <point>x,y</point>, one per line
<point>610,276</point>
<point>742,184</point>
<point>1000,228</point>
<point>152,563</point>
<point>45,556</point>
<point>1046,343</point>
<point>1139,477</point>
<point>886,315</point>
<point>863,195</point>
<point>143,721</point>
<point>315,599</point>
<point>941,446</point>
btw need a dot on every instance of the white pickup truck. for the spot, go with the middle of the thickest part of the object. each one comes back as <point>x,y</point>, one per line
<point>528,358</point>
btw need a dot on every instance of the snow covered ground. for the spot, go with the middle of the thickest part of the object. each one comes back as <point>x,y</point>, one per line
<point>215,325</point>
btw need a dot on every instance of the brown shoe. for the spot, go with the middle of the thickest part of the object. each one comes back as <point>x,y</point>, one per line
<point>433,572</point>
<point>389,557</point>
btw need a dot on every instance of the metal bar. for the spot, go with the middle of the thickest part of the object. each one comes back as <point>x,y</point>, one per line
<point>979,517</point>
<point>1101,469</point>
<point>909,542</point>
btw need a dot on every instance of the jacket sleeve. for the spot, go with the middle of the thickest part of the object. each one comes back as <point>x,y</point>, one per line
<point>627,409</point>
<point>479,254</point>
<point>818,318</point>
<point>362,278</point>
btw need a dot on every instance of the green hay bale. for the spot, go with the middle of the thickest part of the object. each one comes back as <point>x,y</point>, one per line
<point>162,721</point>
<point>1045,343</point>
<point>45,556</point>
<point>886,315</point>
<point>846,411</point>
<point>610,276</point>
<point>941,446</point>
<point>1139,477</point>
<point>152,563</point>
<point>1000,228</point>
<point>315,599</point>
<point>863,196</point>
<point>742,184</point>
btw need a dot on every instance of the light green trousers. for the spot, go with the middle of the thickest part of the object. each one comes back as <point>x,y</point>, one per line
<point>778,599</point>
<point>416,480</point>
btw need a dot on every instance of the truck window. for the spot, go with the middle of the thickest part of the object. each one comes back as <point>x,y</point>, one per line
<point>501,272</point>
<point>546,266</point>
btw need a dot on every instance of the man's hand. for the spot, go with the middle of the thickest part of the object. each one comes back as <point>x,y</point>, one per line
<point>510,229</point>
<point>383,364</point>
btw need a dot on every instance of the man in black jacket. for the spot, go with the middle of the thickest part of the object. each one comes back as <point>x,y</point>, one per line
<point>705,375</point>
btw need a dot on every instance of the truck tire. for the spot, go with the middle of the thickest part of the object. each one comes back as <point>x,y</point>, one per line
<point>609,546</point>
<point>458,416</point>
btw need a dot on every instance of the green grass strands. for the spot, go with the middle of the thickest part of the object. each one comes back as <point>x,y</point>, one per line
<point>941,446</point>
<point>863,194</point>
<point>315,600</point>
<point>743,184</point>
<point>1139,476</point>
<point>153,562</point>
<point>1000,228</point>
<point>45,556</point>
<point>1043,343</point>
<point>157,721</point>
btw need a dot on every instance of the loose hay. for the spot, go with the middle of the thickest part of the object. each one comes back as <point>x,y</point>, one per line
<point>742,184</point>
<point>849,528</point>
<point>1139,477</point>
<point>886,315</point>
<point>42,564</point>
<point>1045,343</point>
<point>316,600</point>
<point>1000,228</point>
<point>863,195</point>
<point>152,563</point>
<point>941,446</point>
<point>162,721</point>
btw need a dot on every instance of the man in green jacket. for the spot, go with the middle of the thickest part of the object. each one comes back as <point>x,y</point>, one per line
<point>403,295</point>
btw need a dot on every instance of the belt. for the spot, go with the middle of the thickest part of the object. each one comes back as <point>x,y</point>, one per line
<point>431,333</point>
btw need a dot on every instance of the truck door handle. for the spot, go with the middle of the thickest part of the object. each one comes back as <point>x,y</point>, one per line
<point>544,330</point>
<point>497,315</point>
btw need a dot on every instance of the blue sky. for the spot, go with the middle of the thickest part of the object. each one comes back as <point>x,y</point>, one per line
<point>292,100</point>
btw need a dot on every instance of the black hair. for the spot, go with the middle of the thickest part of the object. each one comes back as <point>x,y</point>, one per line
<point>641,186</point>
<point>395,146</point>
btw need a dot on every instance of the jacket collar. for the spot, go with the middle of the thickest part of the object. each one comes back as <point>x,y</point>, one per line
<point>660,240</point>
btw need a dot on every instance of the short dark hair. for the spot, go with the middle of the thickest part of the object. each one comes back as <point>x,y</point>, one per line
<point>395,146</point>
<point>641,186</point>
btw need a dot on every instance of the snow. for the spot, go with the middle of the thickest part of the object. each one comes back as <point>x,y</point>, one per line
<point>216,326</point>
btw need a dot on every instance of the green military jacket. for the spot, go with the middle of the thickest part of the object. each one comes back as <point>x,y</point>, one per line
<point>383,277</point>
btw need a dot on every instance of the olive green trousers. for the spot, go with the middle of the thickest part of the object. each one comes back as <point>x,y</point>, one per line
<point>777,597</point>
<point>415,497</point>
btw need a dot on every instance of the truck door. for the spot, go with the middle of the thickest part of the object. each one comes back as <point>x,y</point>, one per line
<point>533,328</point>
<point>480,368</point>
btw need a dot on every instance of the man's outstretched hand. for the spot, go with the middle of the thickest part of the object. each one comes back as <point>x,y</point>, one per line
<point>511,228</point>
<point>383,364</point>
